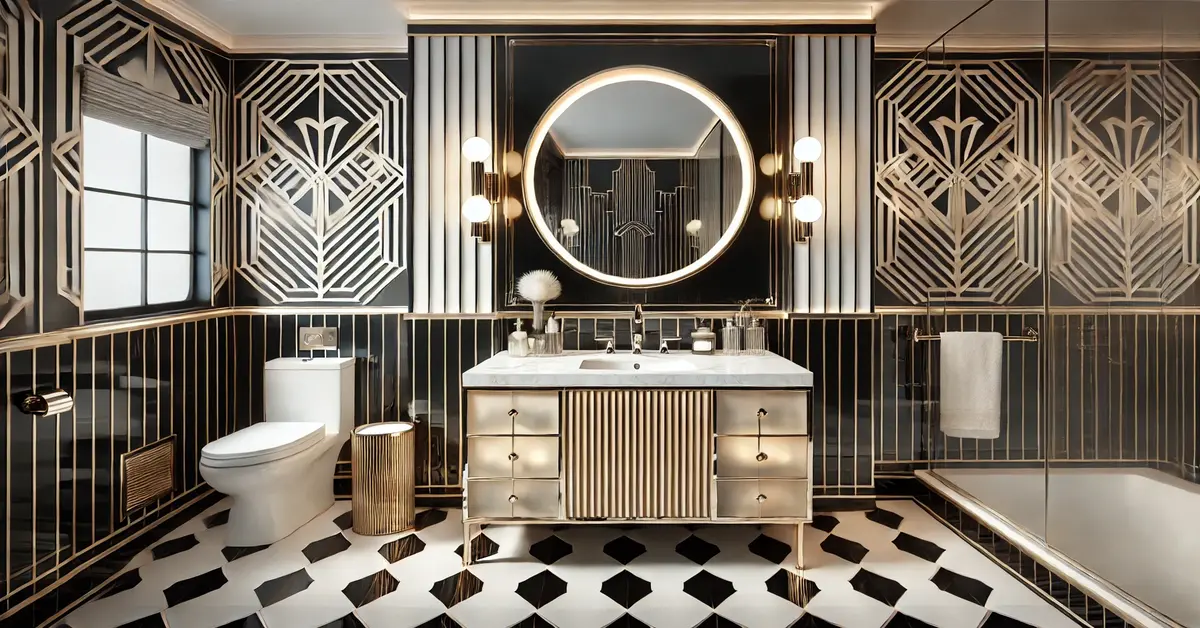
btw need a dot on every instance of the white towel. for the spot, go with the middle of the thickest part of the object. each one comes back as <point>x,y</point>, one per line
<point>971,362</point>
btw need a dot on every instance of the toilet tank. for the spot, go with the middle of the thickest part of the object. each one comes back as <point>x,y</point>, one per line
<point>310,389</point>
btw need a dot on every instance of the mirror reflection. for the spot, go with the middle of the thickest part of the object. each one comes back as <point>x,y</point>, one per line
<point>637,179</point>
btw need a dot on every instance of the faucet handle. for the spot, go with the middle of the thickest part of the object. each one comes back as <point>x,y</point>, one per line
<point>609,347</point>
<point>662,345</point>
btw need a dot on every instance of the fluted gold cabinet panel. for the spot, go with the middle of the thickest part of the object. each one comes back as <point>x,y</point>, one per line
<point>383,476</point>
<point>502,412</point>
<point>762,457</point>
<point>506,499</point>
<point>767,412</point>
<point>637,454</point>
<point>513,456</point>
<point>762,499</point>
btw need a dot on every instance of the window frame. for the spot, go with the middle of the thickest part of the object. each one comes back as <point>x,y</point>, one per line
<point>196,206</point>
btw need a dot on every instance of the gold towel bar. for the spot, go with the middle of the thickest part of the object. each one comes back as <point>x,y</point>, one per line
<point>1029,335</point>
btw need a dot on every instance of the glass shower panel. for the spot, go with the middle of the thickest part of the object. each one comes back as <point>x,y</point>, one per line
<point>1121,259</point>
<point>975,136</point>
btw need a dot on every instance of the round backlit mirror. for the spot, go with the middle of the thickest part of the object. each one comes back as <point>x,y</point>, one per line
<point>638,177</point>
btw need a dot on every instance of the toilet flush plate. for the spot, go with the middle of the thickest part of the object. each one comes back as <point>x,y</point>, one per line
<point>318,338</point>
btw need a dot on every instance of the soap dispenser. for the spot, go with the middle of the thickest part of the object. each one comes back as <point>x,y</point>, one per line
<point>731,338</point>
<point>518,342</point>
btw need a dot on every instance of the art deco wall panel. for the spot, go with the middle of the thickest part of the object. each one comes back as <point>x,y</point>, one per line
<point>322,181</point>
<point>21,180</point>
<point>121,40</point>
<point>832,94</point>
<point>452,101</point>
<point>1125,182</point>
<point>958,184</point>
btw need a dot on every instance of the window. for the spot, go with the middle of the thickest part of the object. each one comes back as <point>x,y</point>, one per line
<point>139,221</point>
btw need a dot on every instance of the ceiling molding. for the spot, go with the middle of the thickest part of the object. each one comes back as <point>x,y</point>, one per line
<point>185,16</point>
<point>189,18</point>
<point>321,43</point>
<point>915,43</point>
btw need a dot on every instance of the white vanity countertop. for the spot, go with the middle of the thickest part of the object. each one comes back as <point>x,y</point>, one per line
<point>592,369</point>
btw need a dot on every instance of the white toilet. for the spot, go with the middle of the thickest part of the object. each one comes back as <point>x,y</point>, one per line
<point>280,472</point>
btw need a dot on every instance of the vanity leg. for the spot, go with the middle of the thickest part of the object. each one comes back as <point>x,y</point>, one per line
<point>800,546</point>
<point>466,544</point>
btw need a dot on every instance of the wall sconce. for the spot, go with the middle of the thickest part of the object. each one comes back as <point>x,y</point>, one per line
<point>485,189</point>
<point>806,208</point>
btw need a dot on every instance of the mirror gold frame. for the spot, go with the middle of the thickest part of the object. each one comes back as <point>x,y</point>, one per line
<point>656,75</point>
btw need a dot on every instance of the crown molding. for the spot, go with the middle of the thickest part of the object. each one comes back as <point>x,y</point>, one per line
<point>1015,43</point>
<point>193,20</point>
<point>190,19</point>
<point>320,43</point>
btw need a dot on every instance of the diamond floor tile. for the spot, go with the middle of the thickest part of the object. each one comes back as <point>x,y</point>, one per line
<point>892,566</point>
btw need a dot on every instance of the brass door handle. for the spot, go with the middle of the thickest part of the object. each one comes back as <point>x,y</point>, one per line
<point>513,412</point>
<point>762,412</point>
<point>762,455</point>
<point>512,499</point>
<point>761,498</point>
<point>513,456</point>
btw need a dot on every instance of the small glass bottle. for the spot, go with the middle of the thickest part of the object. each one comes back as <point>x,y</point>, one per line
<point>756,338</point>
<point>731,338</point>
<point>518,342</point>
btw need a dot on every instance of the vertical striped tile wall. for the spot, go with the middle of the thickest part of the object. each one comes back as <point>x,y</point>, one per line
<point>61,476</point>
<point>908,431</point>
<point>844,358</point>
<point>832,97</point>
<point>1121,388</point>
<point>452,101</point>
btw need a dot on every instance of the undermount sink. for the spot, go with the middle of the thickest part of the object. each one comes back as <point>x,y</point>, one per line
<point>644,363</point>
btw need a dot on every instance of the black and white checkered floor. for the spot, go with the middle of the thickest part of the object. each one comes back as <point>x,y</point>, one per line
<point>895,566</point>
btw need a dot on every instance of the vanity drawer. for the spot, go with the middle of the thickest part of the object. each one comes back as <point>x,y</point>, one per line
<point>782,457</point>
<point>765,499</point>
<point>513,456</point>
<point>519,499</point>
<point>517,412</point>
<point>784,412</point>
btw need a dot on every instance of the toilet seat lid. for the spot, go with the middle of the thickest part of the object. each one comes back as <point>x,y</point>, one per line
<point>276,439</point>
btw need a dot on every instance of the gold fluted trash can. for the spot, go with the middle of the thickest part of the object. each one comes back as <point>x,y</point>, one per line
<point>383,478</point>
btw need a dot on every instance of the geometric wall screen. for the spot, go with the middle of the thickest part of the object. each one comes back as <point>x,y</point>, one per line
<point>320,181</point>
<point>958,183</point>
<point>21,150</point>
<point>1125,206</point>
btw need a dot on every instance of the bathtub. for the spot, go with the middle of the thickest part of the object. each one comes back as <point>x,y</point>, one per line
<point>1134,528</point>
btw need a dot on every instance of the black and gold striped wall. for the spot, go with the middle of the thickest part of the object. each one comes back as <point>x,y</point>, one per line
<point>61,475</point>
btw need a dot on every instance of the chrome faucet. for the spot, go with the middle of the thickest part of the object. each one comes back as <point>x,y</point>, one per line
<point>638,329</point>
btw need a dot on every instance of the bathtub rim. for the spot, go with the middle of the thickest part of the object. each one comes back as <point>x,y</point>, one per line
<point>1131,609</point>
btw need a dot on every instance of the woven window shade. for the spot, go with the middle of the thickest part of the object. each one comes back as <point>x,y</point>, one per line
<point>122,102</point>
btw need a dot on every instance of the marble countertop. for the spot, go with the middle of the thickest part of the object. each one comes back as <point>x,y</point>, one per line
<point>592,369</point>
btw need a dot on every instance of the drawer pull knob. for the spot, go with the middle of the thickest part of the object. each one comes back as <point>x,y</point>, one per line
<point>513,412</point>
<point>761,456</point>
<point>513,456</point>
<point>762,412</point>
<point>761,498</point>
<point>512,499</point>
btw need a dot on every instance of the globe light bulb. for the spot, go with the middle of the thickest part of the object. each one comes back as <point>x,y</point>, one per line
<point>477,209</point>
<point>476,149</point>
<point>512,208</point>
<point>807,149</point>
<point>807,209</point>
